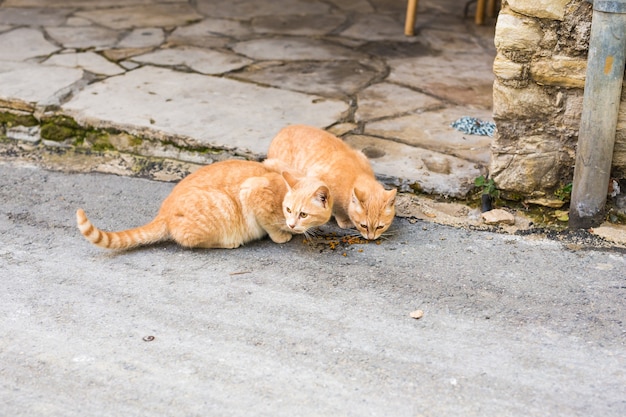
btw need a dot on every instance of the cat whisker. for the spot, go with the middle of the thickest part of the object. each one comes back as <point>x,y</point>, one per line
<point>316,233</point>
<point>309,236</point>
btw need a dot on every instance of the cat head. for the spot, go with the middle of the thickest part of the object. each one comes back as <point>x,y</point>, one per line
<point>307,203</point>
<point>372,211</point>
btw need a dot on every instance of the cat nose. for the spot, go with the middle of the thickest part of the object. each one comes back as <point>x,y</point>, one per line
<point>292,226</point>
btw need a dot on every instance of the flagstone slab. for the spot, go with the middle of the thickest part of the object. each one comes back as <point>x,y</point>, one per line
<point>209,33</point>
<point>465,79</point>
<point>377,27</point>
<point>89,61</point>
<point>33,16</point>
<point>82,4</point>
<point>293,49</point>
<point>431,130</point>
<point>24,43</point>
<point>143,38</point>
<point>193,108</point>
<point>451,38</point>
<point>245,9</point>
<point>24,86</point>
<point>385,99</point>
<point>83,37</point>
<point>204,61</point>
<point>431,171</point>
<point>299,25</point>
<point>360,6</point>
<point>157,15</point>
<point>336,79</point>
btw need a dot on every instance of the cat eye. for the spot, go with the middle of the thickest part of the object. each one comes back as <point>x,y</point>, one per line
<point>288,209</point>
<point>303,215</point>
<point>363,226</point>
<point>380,227</point>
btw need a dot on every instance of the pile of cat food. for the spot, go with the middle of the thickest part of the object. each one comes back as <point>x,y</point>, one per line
<point>333,240</point>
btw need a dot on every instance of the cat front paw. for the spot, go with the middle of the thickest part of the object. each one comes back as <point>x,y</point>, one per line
<point>280,236</point>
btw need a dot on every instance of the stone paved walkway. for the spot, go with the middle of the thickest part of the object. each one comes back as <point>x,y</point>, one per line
<point>225,75</point>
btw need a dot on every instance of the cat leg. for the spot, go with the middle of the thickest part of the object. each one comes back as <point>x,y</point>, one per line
<point>344,222</point>
<point>260,195</point>
<point>279,236</point>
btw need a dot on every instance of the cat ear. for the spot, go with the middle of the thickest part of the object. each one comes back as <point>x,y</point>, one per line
<point>322,195</point>
<point>289,179</point>
<point>391,197</point>
<point>358,196</point>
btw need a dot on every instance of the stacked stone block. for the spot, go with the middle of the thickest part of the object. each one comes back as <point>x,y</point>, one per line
<point>540,75</point>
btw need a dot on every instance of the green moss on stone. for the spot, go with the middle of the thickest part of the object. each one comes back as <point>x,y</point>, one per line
<point>60,128</point>
<point>13,119</point>
<point>56,133</point>
<point>98,140</point>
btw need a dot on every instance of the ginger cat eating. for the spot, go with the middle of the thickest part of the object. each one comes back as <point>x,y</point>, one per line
<point>225,205</point>
<point>360,200</point>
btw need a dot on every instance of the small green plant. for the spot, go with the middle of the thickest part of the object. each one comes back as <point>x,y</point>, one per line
<point>489,192</point>
<point>564,192</point>
<point>488,186</point>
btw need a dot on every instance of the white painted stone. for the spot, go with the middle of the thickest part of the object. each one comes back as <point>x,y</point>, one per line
<point>36,84</point>
<point>245,9</point>
<point>212,111</point>
<point>23,133</point>
<point>385,99</point>
<point>204,61</point>
<point>292,49</point>
<point>143,38</point>
<point>88,61</point>
<point>24,43</point>
<point>157,15</point>
<point>82,37</point>
<point>431,130</point>
<point>432,171</point>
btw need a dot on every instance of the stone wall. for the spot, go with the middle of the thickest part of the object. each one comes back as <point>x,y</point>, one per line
<point>540,74</point>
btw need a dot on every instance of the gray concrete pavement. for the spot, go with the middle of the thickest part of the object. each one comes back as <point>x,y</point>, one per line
<point>512,326</point>
<point>182,76</point>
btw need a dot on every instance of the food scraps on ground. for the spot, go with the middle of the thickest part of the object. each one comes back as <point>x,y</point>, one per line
<point>333,241</point>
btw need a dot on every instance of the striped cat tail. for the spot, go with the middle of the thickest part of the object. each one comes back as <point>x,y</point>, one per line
<point>155,231</point>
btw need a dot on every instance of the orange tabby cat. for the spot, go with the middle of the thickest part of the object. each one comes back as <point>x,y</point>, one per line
<point>225,205</point>
<point>360,200</point>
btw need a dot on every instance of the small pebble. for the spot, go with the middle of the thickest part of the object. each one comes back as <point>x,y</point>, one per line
<point>417,314</point>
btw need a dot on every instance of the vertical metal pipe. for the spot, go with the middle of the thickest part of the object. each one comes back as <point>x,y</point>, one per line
<point>601,100</point>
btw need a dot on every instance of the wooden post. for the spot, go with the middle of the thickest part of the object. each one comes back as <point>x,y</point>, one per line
<point>409,23</point>
<point>479,19</point>
<point>601,100</point>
